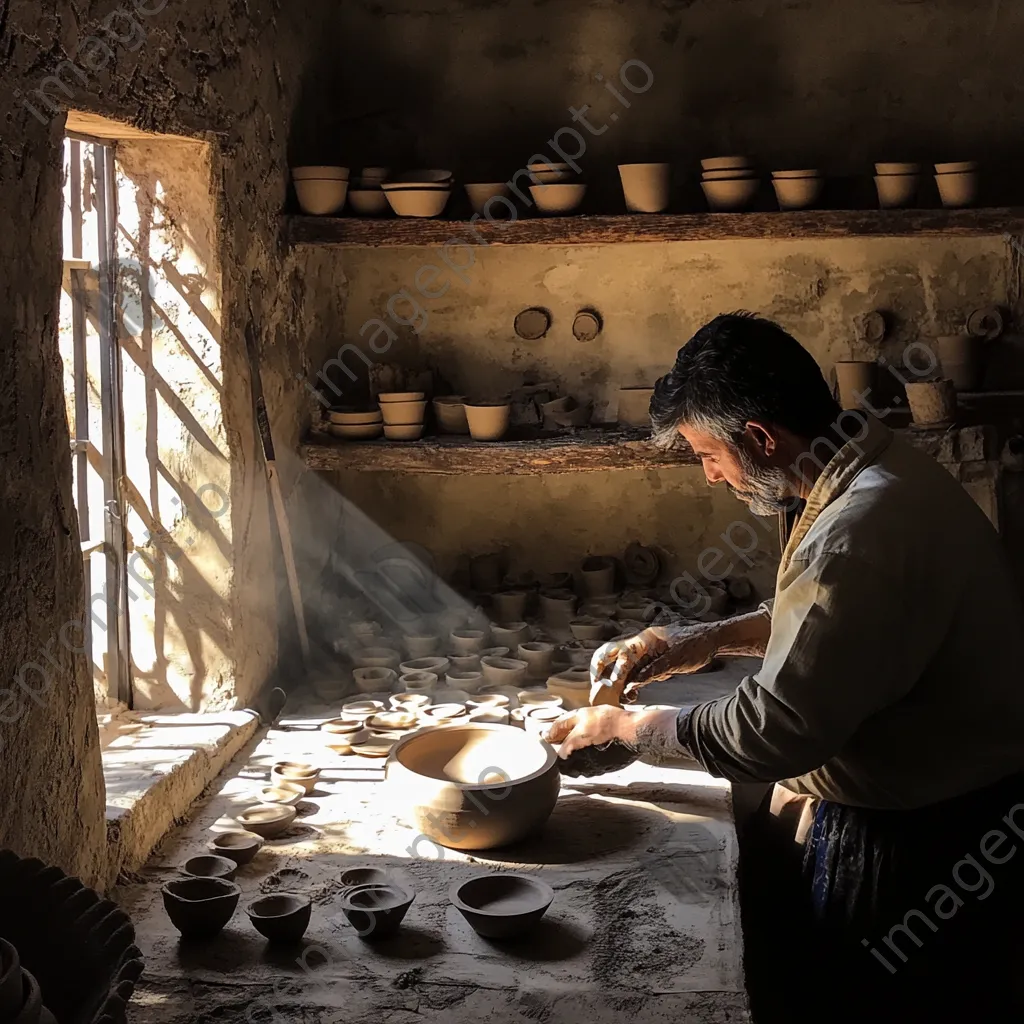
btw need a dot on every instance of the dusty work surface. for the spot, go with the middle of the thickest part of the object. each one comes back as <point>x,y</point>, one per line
<point>645,922</point>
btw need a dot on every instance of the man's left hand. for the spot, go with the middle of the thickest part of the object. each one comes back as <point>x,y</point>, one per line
<point>592,727</point>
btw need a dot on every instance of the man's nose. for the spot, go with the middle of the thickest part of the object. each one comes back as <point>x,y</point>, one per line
<point>712,473</point>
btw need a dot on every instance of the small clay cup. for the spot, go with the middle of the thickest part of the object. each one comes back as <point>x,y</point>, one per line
<point>200,907</point>
<point>511,633</point>
<point>503,671</point>
<point>537,656</point>
<point>501,905</point>
<point>210,865</point>
<point>283,917</point>
<point>238,846</point>
<point>376,910</point>
<point>467,641</point>
<point>488,421</point>
<point>509,605</point>
<point>296,772</point>
<point>438,714</point>
<point>422,646</point>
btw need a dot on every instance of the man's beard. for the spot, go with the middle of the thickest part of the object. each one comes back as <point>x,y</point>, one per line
<point>766,490</point>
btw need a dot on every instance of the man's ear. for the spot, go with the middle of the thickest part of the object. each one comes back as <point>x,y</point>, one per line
<point>762,436</point>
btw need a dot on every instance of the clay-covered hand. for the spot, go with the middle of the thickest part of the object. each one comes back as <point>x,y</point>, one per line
<point>618,662</point>
<point>592,727</point>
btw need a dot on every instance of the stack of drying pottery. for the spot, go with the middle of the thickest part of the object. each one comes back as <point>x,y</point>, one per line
<point>958,183</point>
<point>422,193</point>
<point>644,187</point>
<point>355,423</point>
<point>556,187</point>
<point>729,182</point>
<point>403,413</point>
<point>321,190</point>
<point>897,184</point>
<point>365,195</point>
<point>797,190</point>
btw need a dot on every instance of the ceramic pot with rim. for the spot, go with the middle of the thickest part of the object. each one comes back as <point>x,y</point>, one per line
<point>557,607</point>
<point>503,671</point>
<point>644,187</point>
<point>376,910</point>
<point>467,641</point>
<point>374,679</point>
<point>297,772</point>
<point>469,681</point>
<point>417,682</point>
<point>511,633</point>
<point>465,662</point>
<point>573,686</point>
<point>509,605</point>
<point>474,786</point>
<point>236,845</point>
<point>283,917</point>
<point>450,413</point>
<point>421,646</point>
<point>538,656</point>
<point>597,576</point>
<point>488,421</point>
<point>266,820</point>
<point>200,907</point>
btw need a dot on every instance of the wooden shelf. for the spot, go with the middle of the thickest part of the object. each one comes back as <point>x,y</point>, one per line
<point>354,232</point>
<point>590,449</point>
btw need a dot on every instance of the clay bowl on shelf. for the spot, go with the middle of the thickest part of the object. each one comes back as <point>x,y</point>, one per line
<point>361,709</point>
<point>494,652</point>
<point>475,786</point>
<point>480,193</point>
<point>368,202</point>
<point>384,397</point>
<point>546,173</point>
<point>210,865</point>
<point>267,820</point>
<point>404,432</point>
<point>898,168</point>
<point>896,190</point>
<point>797,190</point>
<point>398,414</point>
<point>286,793</point>
<point>356,432</point>
<point>730,194</point>
<point>412,201</point>
<point>511,633</point>
<point>488,421</point>
<point>503,671</point>
<point>320,172</point>
<point>558,197</point>
<point>644,187</point>
<point>354,417</point>
<point>957,188</point>
<point>238,846</point>
<point>200,907</point>
<point>634,407</point>
<point>431,176</point>
<point>364,875</point>
<point>296,772</point>
<point>727,163</point>
<point>376,910</point>
<point>502,905</point>
<point>450,413</point>
<point>467,641</point>
<point>283,917</point>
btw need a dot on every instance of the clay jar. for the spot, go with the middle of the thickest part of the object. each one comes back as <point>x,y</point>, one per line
<point>240,847</point>
<point>503,671</point>
<point>597,576</point>
<point>475,786</point>
<point>467,641</point>
<point>932,403</point>
<point>958,354</point>
<point>283,917</point>
<point>511,633</point>
<point>557,607</point>
<point>503,905</point>
<point>537,656</point>
<point>509,605</point>
<point>854,378</point>
<point>376,910</point>
<point>488,421</point>
<point>200,907</point>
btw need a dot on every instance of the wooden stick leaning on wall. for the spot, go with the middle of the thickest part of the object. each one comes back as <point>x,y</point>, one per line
<point>273,482</point>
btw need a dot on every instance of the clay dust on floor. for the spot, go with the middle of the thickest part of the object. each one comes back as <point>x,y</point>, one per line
<point>644,921</point>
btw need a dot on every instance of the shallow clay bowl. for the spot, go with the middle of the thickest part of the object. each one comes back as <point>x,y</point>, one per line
<point>239,846</point>
<point>267,820</point>
<point>385,720</point>
<point>361,709</point>
<point>210,865</point>
<point>409,701</point>
<point>342,726</point>
<point>287,793</point>
<point>364,875</point>
<point>474,786</point>
<point>500,906</point>
<point>376,910</point>
<point>297,773</point>
<point>200,907</point>
<point>346,743</point>
<point>437,714</point>
<point>281,918</point>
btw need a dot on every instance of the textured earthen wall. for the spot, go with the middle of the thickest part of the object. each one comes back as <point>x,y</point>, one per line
<point>224,71</point>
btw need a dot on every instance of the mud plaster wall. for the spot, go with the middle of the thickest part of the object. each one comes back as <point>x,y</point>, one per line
<point>651,298</point>
<point>222,71</point>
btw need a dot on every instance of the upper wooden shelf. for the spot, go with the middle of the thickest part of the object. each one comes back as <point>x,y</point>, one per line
<point>681,227</point>
<point>592,448</point>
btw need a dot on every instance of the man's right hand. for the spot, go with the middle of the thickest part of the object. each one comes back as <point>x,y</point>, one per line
<point>626,662</point>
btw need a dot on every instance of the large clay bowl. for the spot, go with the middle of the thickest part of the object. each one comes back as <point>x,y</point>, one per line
<point>475,786</point>
<point>210,865</point>
<point>239,846</point>
<point>502,905</point>
<point>376,910</point>
<point>200,907</point>
<point>267,820</point>
<point>281,918</point>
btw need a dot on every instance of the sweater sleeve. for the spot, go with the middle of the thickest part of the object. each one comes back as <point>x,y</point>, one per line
<point>838,653</point>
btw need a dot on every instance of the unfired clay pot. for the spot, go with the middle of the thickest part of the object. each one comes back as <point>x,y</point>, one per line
<point>896,190</point>
<point>437,714</point>
<point>409,701</point>
<point>474,786</point>
<point>240,847</point>
<point>488,700</point>
<point>509,605</point>
<point>465,662</point>
<point>450,413</point>
<point>557,607</point>
<point>376,910</point>
<point>364,875</point>
<point>503,671</point>
<point>581,652</point>
<point>539,698</point>
<point>210,865</point>
<point>470,681</point>
<point>589,628</point>
<point>634,407</point>
<point>494,652</point>
<point>957,189</point>
<point>537,656</point>
<point>422,646</point>
<point>377,657</point>
<point>932,403</point>
<point>282,917</point>
<point>439,666</point>
<point>572,686</point>
<point>855,378</point>
<point>467,641</point>
<point>958,354</point>
<point>537,720</point>
<point>644,187</point>
<point>267,820</point>
<point>511,634</point>
<point>298,772</point>
<point>361,708</point>
<point>418,682</point>
<point>502,905</point>
<point>488,421</point>
<point>597,575</point>
<point>286,793</point>
<point>200,907</point>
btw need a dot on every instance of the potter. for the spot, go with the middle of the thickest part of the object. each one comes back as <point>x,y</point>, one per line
<point>887,712</point>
